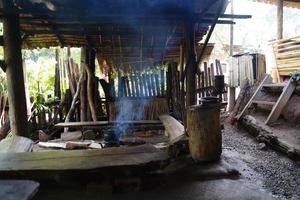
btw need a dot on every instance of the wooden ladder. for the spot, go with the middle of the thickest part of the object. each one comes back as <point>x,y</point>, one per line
<point>287,91</point>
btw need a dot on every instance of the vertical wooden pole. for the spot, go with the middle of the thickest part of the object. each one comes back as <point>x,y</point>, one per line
<point>231,89</point>
<point>57,90</point>
<point>191,63</point>
<point>83,86</point>
<point>182,92</point>
<point>279,19</point>
<point>14,71</point>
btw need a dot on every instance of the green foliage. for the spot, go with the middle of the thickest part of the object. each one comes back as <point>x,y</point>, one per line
<point>296,76</point>
<point>40,71</point>
<point>3,83</point>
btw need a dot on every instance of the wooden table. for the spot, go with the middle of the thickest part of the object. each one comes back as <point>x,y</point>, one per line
<point>18,189</point>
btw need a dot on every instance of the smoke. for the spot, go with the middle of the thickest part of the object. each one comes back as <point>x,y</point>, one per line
<point>129,110</point>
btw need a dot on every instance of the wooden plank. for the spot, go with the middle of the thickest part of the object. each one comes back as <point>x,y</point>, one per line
<point>132,86</point>
<point>15,144</point>
<point>205,75</point>
<point>209,77</point>
<point>162,80</point>
<point>266,78</point>
<point>274,85</point>
<point>174,129</point>
<point>281,102</point>
<point>106,123</point>
<point>52,161</point>
<point>264,102</point>
<point>18,189</point>
<point>141,86</point>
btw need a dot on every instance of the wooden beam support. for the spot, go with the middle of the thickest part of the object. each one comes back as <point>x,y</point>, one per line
<point>215,20</point>
<point>191,63</point>
<point>279,19</point>
<point>14,71</point>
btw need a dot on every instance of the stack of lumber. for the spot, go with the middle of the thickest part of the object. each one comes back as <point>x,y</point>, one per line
<point>287,55</point>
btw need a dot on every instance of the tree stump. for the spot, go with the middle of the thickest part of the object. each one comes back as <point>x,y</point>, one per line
<point>204,130</point>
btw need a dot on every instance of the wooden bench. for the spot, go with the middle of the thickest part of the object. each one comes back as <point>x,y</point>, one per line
<point>141,125</point>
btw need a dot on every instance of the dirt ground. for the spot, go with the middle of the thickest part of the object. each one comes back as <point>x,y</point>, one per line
<point>285,130</point>
<point>263,174</point>
<point>277,173</point>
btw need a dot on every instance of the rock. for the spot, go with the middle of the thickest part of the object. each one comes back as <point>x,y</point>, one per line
<point>43,137</point>
<point>262,146</point>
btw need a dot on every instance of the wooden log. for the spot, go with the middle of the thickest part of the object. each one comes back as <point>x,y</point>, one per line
<point>191,65</point>
<point>57,87</point>
<point>75,98</point>
<point>14,71</point>
<point>90,93</point>
<point>69,74</point>
<point>245,87</point>
<point>83,96</point>
<point>204,130</point>
<point>264,134</point>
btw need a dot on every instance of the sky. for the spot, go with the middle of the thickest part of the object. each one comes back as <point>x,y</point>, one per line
<point>255,33</point>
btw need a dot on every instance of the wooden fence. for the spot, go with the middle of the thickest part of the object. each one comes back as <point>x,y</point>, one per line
<point>205,81</point>
<point>150,84</point>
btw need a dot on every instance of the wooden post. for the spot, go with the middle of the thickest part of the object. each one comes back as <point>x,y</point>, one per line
<point>191,63</point>
<point>231,89</point>
<point>14,71</point>
<point>83,86</point>
<point>57,92</point>
<point>279,19</point>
